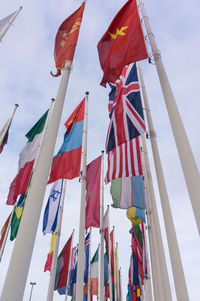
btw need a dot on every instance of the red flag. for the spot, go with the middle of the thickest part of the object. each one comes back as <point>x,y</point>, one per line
<point>93,175</point>
<point>3,231</point>
<point>66,39</point>
<point>122,44</point>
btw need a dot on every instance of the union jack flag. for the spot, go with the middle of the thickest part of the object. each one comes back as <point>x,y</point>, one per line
<point>125,108</point>
<point>74,258</point>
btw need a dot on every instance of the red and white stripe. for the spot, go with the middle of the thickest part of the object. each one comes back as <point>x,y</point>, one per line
<point>124,161</point>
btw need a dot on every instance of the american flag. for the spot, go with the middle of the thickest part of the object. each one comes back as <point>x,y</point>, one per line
<point>124,161</point>
<point>125,108</point>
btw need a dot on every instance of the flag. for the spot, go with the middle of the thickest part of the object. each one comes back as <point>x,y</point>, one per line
<point>5,130</point>
<point>112,262</point>
<point>67,38</point>
<point>87,248</point>
<point>128,192</point>
<point>73,271</point>
<point>136,215</point>
<point>124,161</point>
<point>3,231</point>
<point>106,230</point>
<point>133,271</point>
<point>17,215</point>
<point>26,160</point>
<point>94,273</point>
<point>126,112</point>
<point>52,207</point>
<point>122,43</point>
<point>93,179</point>
<point>7,22</point>
<point>62,266</point>
<point>66,164</point>
<point>48,263</point>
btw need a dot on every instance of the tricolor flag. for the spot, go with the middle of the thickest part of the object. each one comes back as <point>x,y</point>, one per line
<point>67,38</point>
<point>66,164</point>
<point>94,273</point>
<point>48,263</point>
<point>122,43</point>
<point>128,192</point>
<point>52,207</point>
<point>124,161</point>
<point>26,160</point>
<point>3,231</point>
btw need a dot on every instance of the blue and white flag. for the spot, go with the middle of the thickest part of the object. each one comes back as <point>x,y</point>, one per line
<point>52,207</point>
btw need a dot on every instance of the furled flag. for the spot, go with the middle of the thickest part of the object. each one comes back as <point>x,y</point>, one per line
<point>122,43</point>
<point>67,38</point>
<point>66,164</point>
<point>48,263</point>
<point>94,274</point>
<point>106,230</point>
<point>93,179</point>
<point>26,160</point>
<point>63,266</point>
<point>72,272</point>
<point>124,161</point>
<point>87,248</point>
<point>52,207</point>
<point>128,192</point>
<point>3,231</point>
<point>126,112</point>
<point>136,215</point>
<point>112,261</point>
<point>17,215</point>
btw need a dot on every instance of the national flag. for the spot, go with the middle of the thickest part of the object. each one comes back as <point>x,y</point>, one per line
<point>122,43</point>
<point>128,192</point>
<point>7,22</point>
<point>63,266</point>
<point>87,248</point>
<point>106,277</point>
<point>48,263</point>
<point>66,164</point>
<point>124,161</point>
<point>93,179</point>
<point>136,215</point>
<point>94,273</point>
<point>3,231</point>
<point>67,38</point>
<point>106,230</point>
<point>26,160</point>
<point>73,271</point>
<point>133,271</point>
<point>112,262</point>
<point>52,207</point>
<point>126,112</point>
<point>116,273</point>
<point>17,215</point>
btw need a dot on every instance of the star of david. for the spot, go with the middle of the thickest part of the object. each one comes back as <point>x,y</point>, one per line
<point>54,195</point>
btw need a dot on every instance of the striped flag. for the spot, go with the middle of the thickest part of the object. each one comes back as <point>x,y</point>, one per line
<point>49,260</point>
<point>124,161</point>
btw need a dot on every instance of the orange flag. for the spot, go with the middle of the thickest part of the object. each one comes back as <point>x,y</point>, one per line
<point>66,39</point>
<point>122,44</point>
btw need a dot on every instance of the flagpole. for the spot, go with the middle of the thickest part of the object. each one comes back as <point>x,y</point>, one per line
<point>101,285</point>
<point>14,285</point>
<point>5,128</point>
<point>70,256</point>
<point>190,170</point>
<point>177,269</point>
<point>89,265</point>
<point>50,292</point>
<point>114,262</point>
<point>2,34</point>
<point>81,244</point>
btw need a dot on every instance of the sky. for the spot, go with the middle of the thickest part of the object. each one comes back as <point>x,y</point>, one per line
<point>26,57</point>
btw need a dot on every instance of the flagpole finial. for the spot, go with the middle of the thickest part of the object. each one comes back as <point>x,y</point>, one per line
<point>86,93</point>
<point>102,151</point>
<point>16,105</point>
<point>52,99</point>
<point>20,7</point>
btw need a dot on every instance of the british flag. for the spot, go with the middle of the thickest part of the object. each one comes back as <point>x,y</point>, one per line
<point>125,108</point>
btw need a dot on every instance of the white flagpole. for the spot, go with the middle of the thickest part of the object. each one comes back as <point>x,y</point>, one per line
<point>70,256</point>
<point>7,26</point>
<point>6,126</point>
<point>190,170</point>
<point>177,269</point>
<point>56,247</point>
<point>114,262</point>
<point>81,243</point>
<point>14,285</point>
<point>101,285</point>
<point>89,265</point>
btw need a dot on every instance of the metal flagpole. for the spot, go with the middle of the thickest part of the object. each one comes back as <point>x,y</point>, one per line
<point>9,23</point>
<point>70,256</point>
<point>6,126</point>
<point>56,247</point>
<point>81,243</point>
<point>14,285</point>
<point>101,278</point>
<point>177,269</point>
<point>190,170</point>
<point>114,276</point>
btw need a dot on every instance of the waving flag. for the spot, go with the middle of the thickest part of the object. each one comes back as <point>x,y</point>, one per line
<point>3,231</point>
<point>52,207</point>
<point>94,274</point>
<point>66,164</point>
<point>17,215</point>
<point>67,38</point>
<point>48,263</point>
<point>73,271</point>
<point>125,107</point>
<point>122,44</point>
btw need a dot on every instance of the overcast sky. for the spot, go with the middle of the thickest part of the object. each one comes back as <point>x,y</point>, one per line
<point>26,59</point>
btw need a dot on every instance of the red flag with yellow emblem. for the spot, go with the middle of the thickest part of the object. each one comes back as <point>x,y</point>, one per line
<point>66,39</point>
<point>122,43</point>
